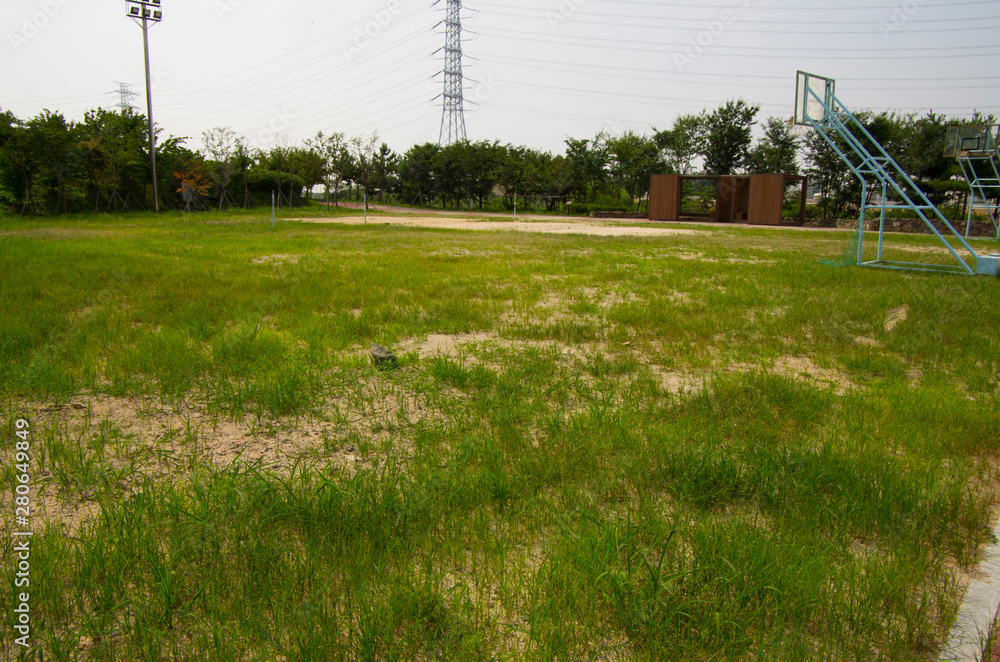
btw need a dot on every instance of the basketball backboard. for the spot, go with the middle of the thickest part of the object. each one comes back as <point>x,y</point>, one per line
<point>814,95</point>
<point>971,140</point>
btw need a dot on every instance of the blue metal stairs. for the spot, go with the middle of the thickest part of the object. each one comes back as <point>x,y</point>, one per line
<point>873,162</point>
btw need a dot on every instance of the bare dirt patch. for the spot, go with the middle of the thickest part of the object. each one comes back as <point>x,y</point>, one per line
<point>794,367</point>
<point>680,383</point>
<point>276,259</point>
<point>567,226</point>
<point>895,317</point>
<point>103,444</point>
<point>799,367</point>
<point>926,250</point>
<point>450,346</point>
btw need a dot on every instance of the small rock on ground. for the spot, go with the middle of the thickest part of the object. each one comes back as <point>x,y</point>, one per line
<point>382,357</point>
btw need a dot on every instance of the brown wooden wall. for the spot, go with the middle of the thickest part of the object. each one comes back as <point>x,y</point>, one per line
<point>754,199</point>
<point>767,198</point>
<point>664,197</point>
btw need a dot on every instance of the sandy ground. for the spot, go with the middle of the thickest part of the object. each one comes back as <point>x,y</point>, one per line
<point>543,224</point>
<point>493,222</point>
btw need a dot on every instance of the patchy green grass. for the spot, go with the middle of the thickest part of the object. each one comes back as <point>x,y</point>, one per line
<point>704,446</point>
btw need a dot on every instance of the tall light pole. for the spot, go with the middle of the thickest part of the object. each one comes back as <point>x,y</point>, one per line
<point>144,12</point>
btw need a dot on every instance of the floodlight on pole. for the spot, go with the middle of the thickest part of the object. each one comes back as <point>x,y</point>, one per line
<point>144,12</point>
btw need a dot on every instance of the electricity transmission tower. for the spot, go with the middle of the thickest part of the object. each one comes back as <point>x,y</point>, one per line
<point>125,90</point>
<point>453,116</point>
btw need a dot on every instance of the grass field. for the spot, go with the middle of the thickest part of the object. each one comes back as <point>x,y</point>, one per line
<point>702,446</point>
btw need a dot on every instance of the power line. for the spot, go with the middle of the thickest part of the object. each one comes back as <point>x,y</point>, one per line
<point>798,8</point>
<point>254,70</point>
<point>728,80</point>
<point>728,77</point>
<point>840,53</point>
<point>643,19</point>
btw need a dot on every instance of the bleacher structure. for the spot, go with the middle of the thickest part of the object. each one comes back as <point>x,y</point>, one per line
<point>817,106</point>
<point>975,147</point>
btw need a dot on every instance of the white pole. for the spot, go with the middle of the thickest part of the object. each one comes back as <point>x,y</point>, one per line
<point>149,112</point>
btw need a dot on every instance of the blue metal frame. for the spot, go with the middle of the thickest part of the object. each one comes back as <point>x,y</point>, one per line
<point>837,118</point>
<point>977,186</point>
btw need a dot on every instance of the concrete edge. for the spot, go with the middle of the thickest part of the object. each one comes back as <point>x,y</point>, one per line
<point>978,612</point>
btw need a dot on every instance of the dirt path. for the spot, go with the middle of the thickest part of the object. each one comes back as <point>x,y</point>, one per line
<point>428,211</point>
<point>548,224</point>
<point>544,224</point>
<point>494,222</point>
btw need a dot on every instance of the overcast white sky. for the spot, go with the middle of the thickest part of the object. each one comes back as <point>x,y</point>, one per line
<point>538,72</point>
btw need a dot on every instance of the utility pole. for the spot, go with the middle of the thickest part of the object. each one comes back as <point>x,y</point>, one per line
<point>144,12</point>
<point>453,116</point>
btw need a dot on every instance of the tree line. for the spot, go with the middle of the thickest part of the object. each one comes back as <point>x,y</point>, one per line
<point>50,165</point>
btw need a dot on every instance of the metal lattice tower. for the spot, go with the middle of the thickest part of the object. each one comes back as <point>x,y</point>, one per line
<point>125,90</point>
<point>453,116</point>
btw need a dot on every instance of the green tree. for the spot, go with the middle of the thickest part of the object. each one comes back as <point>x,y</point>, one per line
<point>683,143</point>
<point>558,181</point>
<point>220,146</point>
<point>728,135</point>
<point>385,166</point>
<point>22,158</point>
<point>333,149</point>
<point>343,168</point>
<point>480,161</point>
<point>514,174</point>
<point>924,159</point>
<point>830,173</point>
<point>416,173</point>
<point>272,162</point>
<point>289,171</point>
<point>364,171</point>
<point>537,167</point>
<point>308,164</point>
<point>586,163</point>
<point>448,176</point>
<point>243,161</point>
<point>467,171</point>
<point>118,160</point>
<point>634,159</point>
<point>776,152</point>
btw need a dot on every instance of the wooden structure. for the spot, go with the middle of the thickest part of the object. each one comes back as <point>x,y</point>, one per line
<point>753,199</point>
